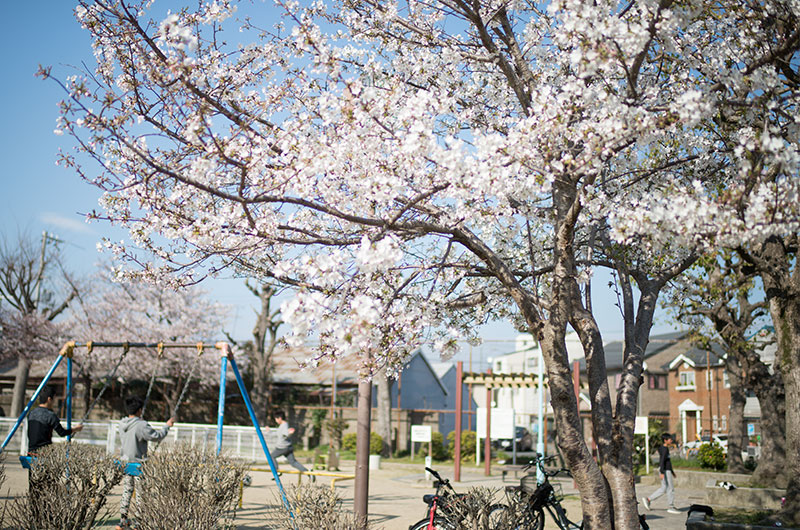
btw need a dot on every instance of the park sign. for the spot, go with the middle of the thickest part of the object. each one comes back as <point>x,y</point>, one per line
<point>420,433</point>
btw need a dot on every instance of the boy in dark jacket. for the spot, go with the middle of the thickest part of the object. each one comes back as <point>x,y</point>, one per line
<point>134,433</point>
<point>667,475</point>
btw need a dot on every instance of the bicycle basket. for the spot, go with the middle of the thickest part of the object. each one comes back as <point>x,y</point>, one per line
<point>528,484</point>
<point>558,491</point>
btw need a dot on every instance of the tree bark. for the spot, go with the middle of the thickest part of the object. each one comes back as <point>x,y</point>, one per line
<point>736,430</point>
<point>361,493</point>
<point>20,385</point>
<point>384,412</point>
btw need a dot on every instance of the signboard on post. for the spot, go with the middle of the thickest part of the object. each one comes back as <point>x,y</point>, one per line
<point>641,427</point>
<point>420,433</point>
<point>502,426</point>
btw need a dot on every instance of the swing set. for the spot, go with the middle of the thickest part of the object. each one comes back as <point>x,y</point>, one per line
<point>226,357</point>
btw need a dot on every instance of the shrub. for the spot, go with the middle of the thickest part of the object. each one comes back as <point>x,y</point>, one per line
<point>313,507</point>
<point>468,441</point>
<point>349,442</point>
<point>185,487</point>
<point>69,487</point>
<point>336,427</point>
<point>711,456</point>
<point>375,443</point>
<point>438,450</point>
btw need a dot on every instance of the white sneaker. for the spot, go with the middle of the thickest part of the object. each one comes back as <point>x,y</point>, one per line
<point>646,502</point>
<point>672,509</point>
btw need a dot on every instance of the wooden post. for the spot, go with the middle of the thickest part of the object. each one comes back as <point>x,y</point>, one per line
<point>487,443</point>
<point>459,405</point>
<point>361,493</point>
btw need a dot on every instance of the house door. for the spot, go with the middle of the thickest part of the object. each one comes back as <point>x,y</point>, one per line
<point>691,426</point>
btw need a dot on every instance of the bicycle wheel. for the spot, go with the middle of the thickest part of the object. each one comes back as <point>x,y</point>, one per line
<point>499,517</point>
<point>533,520</point>
<point>439,523</point>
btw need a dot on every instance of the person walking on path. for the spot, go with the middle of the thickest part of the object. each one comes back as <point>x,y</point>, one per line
<point>134,433</point>
<point>283,447</point>
<point>667,476</point>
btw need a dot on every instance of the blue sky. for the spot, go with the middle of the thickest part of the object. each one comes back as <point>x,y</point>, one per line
<point>39,196</point>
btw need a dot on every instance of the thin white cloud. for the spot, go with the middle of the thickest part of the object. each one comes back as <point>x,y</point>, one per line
<point>73,224</point>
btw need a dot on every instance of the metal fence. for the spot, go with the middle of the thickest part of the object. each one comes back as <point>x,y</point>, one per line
<point>237,441</point>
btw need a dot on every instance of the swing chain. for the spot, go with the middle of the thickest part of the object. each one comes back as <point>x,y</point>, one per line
<point>160,351</point>
<point>108,379</point>
<point>200,349</point>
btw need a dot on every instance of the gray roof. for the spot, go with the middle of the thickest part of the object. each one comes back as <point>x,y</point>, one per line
<point>700,357</point>
<point>657,343</point>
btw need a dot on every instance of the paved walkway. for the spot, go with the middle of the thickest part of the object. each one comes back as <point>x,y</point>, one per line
<point>396,491</point>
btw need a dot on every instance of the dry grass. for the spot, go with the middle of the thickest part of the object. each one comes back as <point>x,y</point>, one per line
<point>314,508</point>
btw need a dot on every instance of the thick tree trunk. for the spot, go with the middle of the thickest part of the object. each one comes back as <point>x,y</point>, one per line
<point>20,385</point>
<point>384,412</point>
<point>771,470</point>
<point>736,429</point>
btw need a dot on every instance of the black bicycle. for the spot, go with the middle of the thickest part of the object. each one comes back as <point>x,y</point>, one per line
<point>529,500</point>
<point>446,508</point>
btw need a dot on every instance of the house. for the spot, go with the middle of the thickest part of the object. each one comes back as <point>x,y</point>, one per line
<point>699,392</point>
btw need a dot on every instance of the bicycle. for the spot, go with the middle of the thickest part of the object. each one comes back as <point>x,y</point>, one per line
<point>535,499</point>
<point>444,508</point>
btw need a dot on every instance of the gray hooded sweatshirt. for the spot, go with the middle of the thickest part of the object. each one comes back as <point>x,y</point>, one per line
<point>134,433</point>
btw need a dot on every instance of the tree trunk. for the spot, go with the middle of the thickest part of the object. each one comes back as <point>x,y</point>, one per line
<point>771,470</point>
<point>361,493</point>
<point>259,395</point>
<point>737,431</point>
<point>20,385</point>
<point>384,412</point>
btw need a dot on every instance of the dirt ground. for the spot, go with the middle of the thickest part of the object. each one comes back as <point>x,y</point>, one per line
<point>395,498</point>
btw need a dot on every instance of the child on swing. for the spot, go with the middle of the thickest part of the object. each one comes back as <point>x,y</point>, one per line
<point>134,433</point>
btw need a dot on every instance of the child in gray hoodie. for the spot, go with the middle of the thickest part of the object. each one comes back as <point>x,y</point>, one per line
<point>134,433</point>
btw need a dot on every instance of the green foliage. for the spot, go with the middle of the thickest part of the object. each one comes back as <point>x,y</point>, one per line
<point>375,443</point>
<point>438,450</point>
<point>349,442</point>
<point>711,456</point>
<point>655,429</point>
<point>468,441</point>
<point>336,427</point>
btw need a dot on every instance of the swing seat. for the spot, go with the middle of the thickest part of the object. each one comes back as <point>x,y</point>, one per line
<point>26,461</point>
<point>133,469</point>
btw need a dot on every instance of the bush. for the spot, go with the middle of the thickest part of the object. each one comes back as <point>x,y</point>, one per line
<point>375,443</point>
<point>184,487</point>
<point>69,487</point>
<point>468,441</point>
<point>313,507</point>
<point>438,450</point>
<point>349,442</point>
<point>711,456</point>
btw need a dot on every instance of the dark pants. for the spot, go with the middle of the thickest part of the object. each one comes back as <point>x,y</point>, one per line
<point>288,452</point>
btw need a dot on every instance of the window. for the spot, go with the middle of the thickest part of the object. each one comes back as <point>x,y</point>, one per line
<point>725,379</point>
<point>686,380</point>
<point>656,382</point>
<point>724,423</point>
<point>715,422</point>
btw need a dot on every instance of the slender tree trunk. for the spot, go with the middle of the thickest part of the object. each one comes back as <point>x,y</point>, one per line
<point>20,385</point>
<point>736,429</point>
<point>384,412</point>
<point>361,493</point>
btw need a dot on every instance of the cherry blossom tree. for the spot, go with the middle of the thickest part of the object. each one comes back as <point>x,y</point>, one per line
<point>34,291</point>
<point>415,169</point>
<point>114,311</point>
<point>720,300</point>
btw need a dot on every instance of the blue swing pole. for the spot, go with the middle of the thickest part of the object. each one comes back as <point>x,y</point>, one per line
<point>66,351</point>
<point>69,396</point>
<point>223,372</point>
<point>253,418</point>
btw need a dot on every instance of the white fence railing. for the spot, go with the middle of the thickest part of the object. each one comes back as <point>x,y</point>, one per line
<point>237,441</point>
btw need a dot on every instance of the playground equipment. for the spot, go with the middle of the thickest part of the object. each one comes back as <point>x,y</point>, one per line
<point>226,357</point>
